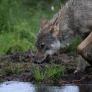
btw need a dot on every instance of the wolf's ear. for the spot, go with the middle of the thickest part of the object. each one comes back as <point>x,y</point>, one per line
<point>55,30</point>
<point>43,23</point>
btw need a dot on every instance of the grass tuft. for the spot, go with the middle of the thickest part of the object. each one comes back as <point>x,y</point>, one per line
<point>48,72</point>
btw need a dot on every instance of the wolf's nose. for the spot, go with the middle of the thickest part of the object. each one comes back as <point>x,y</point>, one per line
<point>37,59</point>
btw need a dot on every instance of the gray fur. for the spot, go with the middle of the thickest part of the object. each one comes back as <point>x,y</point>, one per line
<point>74,18</point>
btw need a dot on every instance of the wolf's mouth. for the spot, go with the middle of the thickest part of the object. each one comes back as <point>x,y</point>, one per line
<point>46,59</point>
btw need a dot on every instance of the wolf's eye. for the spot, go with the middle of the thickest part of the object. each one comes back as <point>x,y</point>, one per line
<point>42,45</point>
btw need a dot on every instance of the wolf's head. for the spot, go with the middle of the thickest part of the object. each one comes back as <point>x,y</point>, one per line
<point>47,40</point>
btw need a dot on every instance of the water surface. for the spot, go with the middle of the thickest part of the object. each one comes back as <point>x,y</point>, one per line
<point>15,86</point>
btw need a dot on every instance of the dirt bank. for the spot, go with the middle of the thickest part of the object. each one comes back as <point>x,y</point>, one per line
<point>59,70</point>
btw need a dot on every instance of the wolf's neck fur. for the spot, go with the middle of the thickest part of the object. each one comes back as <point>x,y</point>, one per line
<point>63,17</point>
<point>60,16</point>
<point>73,18</point>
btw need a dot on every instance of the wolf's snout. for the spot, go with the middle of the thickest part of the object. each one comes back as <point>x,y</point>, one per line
<point>39,57</point>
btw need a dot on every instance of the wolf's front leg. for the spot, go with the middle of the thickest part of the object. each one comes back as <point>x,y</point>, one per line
<point>82,46</point>
<point>81,64</point>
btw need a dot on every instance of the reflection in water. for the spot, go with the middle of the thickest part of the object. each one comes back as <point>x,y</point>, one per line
<point>15,86</point>
<point>57,89</point>
<point>70,89</point>
<point>86,88</point>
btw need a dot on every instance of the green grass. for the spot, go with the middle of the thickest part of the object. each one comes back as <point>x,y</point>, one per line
<point>20,20</point>
<point>39,73</point>
<point>46,72</point>
<point>19,25</point>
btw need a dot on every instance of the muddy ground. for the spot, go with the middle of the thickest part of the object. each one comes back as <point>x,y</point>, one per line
<point>20,66</point>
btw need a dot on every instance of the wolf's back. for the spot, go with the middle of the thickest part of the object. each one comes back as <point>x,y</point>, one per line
<point>82,14</point>
<point>76,14</point>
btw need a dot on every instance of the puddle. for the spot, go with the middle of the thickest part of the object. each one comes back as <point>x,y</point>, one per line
<point>15,86</point>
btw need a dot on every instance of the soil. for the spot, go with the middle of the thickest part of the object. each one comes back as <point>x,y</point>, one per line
<point>67,60</point>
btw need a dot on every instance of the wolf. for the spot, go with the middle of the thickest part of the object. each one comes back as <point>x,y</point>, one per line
<point>73,19</point>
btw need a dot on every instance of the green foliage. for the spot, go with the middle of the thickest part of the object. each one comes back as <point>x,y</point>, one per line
<point>48,71</point>
<point>13,41</point>
<point>7,12</point>
<point>15,48</point>
<point>38,74</point>
<point>54,71</point>
<point>19,21</point>
<point>74,43</point>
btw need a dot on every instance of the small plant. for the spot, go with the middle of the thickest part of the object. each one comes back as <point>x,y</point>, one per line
<point>47,72</point>
<point>38,74</point>
<point>54,71</point>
